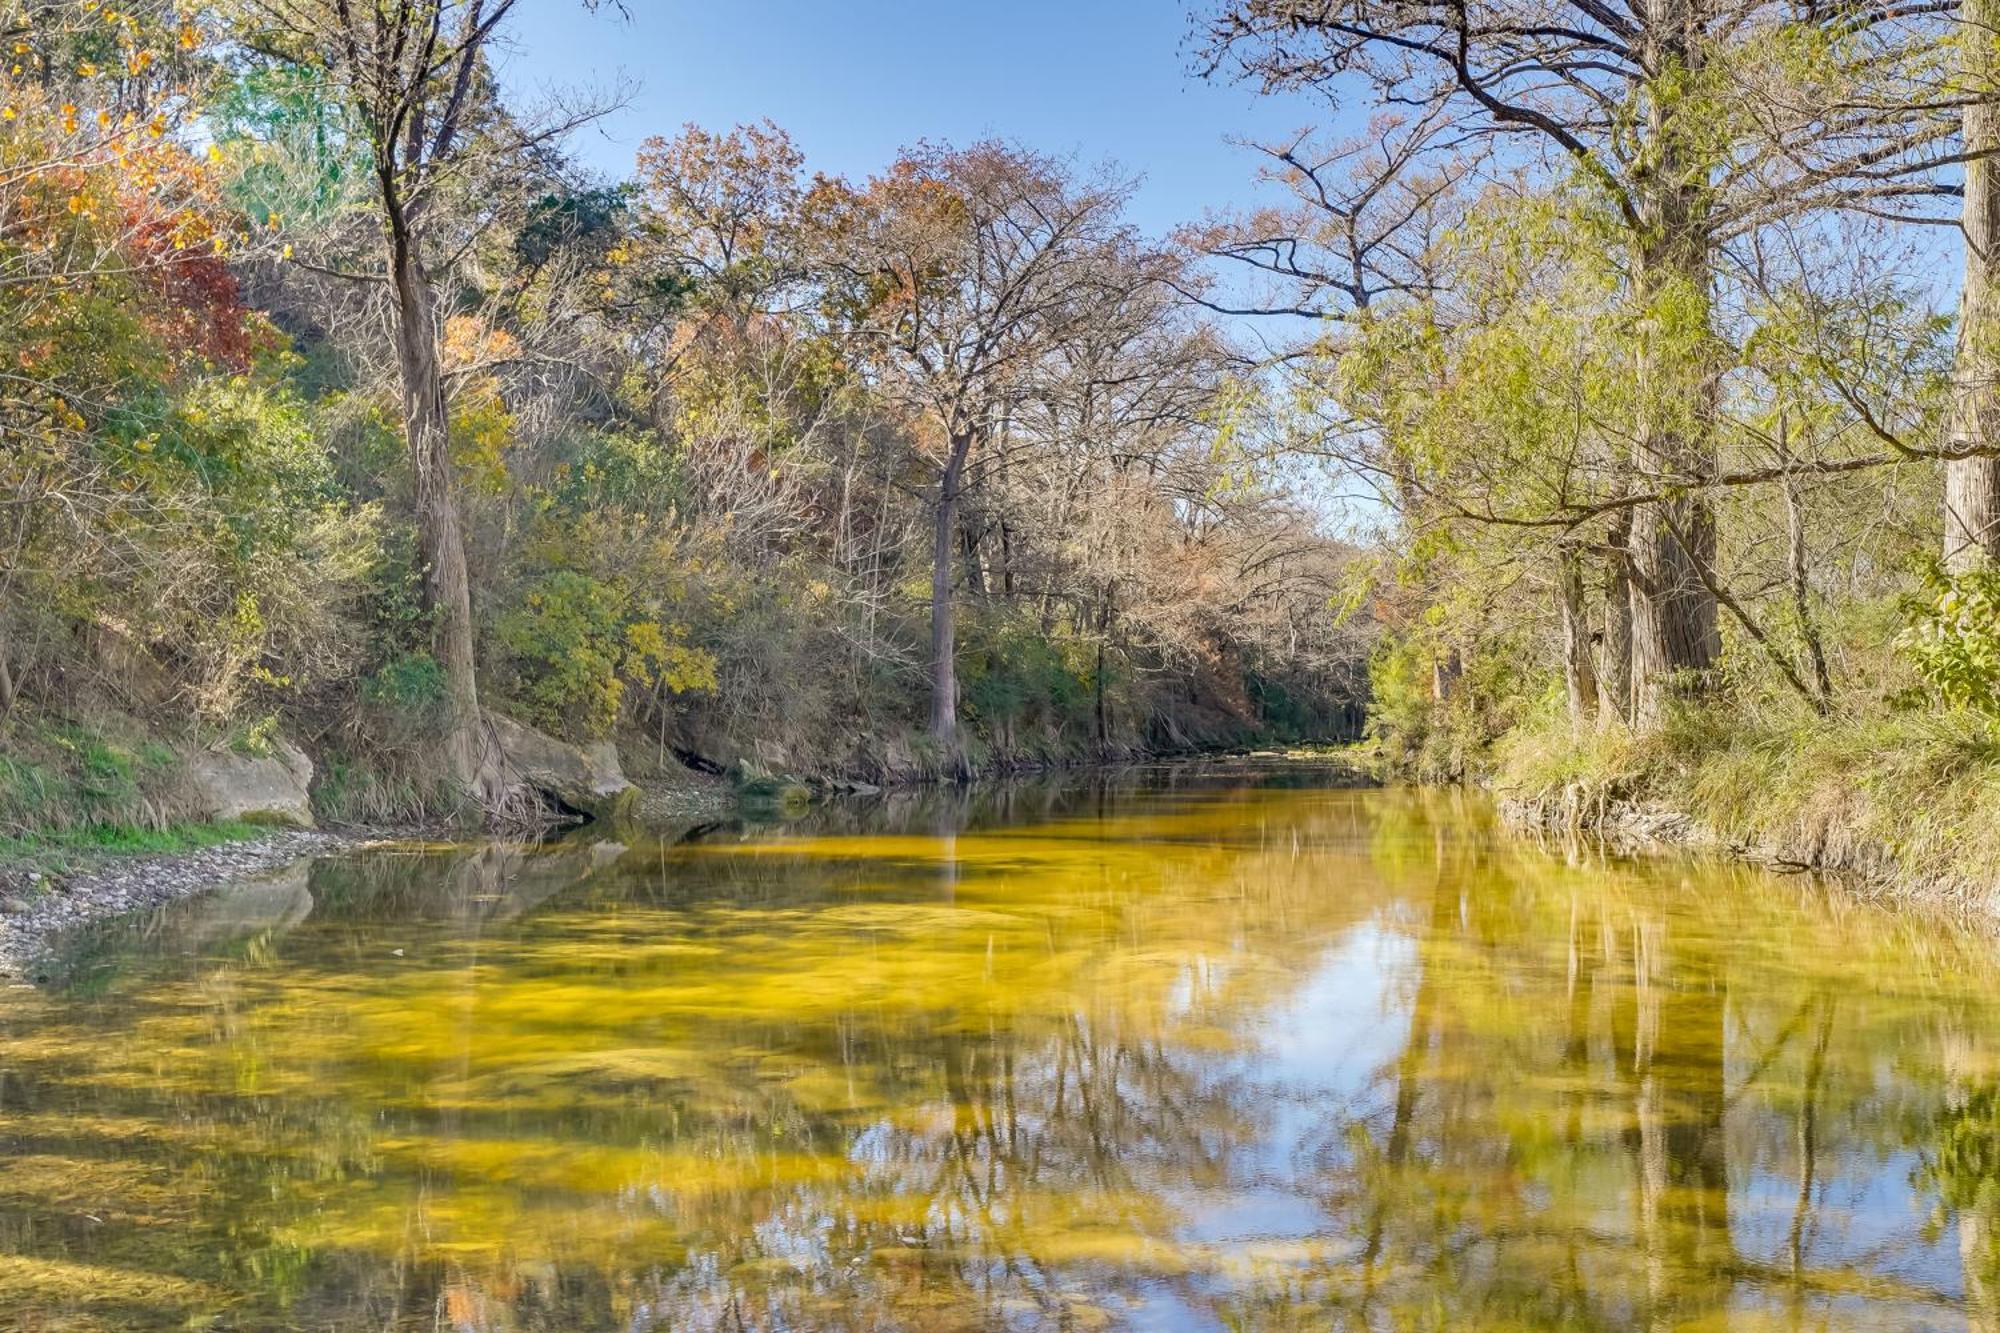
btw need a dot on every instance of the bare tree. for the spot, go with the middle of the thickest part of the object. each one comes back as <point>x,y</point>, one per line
<point>961,270</point>
<point>1695,122</point>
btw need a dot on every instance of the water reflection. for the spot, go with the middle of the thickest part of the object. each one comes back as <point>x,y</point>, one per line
<point>1205,1050</point>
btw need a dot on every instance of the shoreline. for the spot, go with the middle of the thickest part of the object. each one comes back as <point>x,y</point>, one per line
<point>116,886</point>
<point>1866,872</point>
<point>38,908</point>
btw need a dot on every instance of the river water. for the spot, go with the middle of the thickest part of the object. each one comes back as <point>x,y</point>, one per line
<point>1217,1047</point>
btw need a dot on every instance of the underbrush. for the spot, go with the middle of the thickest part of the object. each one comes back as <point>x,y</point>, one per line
<point>62,776</point>
<point>1909,798</point>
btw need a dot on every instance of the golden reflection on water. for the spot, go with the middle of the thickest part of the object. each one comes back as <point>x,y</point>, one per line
<point>1215,1053</point>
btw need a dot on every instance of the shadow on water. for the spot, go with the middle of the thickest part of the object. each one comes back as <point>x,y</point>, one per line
<point>1222,1044</point>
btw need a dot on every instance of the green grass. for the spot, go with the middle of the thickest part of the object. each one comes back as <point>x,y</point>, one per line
<point>58,775</point>
<point>62,850</point>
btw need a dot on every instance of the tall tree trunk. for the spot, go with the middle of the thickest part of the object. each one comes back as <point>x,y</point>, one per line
<point>1676,634</point>
<point>1614,673</point>
<point>468,755</point>
<point>1972,485</point>
<point>1579,674</point>
<point>944,664</point>
<point>975,566</point>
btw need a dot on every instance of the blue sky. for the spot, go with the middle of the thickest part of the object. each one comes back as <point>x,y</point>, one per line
<point>853,82</point>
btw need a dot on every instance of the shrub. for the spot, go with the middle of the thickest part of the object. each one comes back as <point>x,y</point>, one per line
<point>573,644</point>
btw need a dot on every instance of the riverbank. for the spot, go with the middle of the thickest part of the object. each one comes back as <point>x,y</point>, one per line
<point>51,887</point>
<point>1900,808</point>
<point>38,903</point>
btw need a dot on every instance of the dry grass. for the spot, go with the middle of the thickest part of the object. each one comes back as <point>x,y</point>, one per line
<point>1908,800</point>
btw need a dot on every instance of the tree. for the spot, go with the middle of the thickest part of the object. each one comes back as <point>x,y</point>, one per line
<point>1694,126</point>
<point>414,78</point>
<point>1972,483</point>
<point>960,271</point>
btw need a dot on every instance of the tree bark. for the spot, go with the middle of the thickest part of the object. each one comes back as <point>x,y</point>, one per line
<point>944,664</point>
<point>1445,671</point>
<point>1798,558</point>
<point>1972,485</point>
<point>440,538</point>
<point>975,567</point>
<point>1579,674</point>
<point>1614,695</point>
<point>1676,634</point>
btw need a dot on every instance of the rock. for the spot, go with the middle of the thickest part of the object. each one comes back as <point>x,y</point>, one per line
<point>899,760</point>
<point>585,778</point>
<point>756,785</point>
<point>13,906</point>
<point>257,789</point>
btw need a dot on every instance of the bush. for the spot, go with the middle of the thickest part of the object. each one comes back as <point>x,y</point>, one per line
<point>574,643</point>
<point>1953,638</point>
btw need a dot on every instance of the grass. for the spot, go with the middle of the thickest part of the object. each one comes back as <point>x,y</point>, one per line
<point>78,789</point>
<point>59,774</point>
<point>1910,799</point>
<point>59,851</point>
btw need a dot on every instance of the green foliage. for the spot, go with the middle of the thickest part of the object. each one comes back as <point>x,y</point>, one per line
<point>1013,676</point>
<point>294,160</point>
<point>410,687</point>
<point>586,221</point>
<point>575,642</point>
<point>1953,638</point>
<point>1486,691</point>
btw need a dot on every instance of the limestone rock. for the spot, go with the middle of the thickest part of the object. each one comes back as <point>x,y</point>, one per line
<point>585,778</point>
<point>257,789</point>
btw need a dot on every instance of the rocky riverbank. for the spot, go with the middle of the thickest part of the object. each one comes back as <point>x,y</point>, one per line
<point>36,906</point>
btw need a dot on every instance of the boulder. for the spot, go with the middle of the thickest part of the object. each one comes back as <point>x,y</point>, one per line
<point>257,789</point>
<point>585,778</point>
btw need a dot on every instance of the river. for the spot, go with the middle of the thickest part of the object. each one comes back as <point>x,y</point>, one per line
<point>1223,1046</point>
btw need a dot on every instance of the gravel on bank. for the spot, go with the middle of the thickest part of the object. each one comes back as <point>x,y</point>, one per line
<point>32,917</point>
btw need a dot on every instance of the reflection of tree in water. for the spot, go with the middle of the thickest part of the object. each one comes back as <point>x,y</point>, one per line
<point>814,1090</point>
<point>995,1067</point>
<point>1598,1064</point>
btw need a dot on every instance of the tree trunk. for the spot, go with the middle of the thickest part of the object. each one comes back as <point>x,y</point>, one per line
<point>975,568</point>
<point>1972,485</point>
<point>944,665</point>
<point>1797,557</point>
<point>1614,695</point>
<point>1579,675</point>
<point>1445,671</point>
<point>468,756</point>
<point>1676,634</point>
